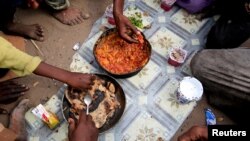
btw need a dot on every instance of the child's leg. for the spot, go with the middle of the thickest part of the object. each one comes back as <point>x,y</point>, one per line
<point>7,24</point>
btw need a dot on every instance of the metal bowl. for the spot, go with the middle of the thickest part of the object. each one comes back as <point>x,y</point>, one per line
<point>124,75</point>
<point>120,96</point>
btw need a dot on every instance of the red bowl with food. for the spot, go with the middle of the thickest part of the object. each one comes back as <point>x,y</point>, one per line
<point>120,58</point>
<point>177,56</point>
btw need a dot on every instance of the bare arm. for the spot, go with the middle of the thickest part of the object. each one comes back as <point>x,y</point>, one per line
<point>77,80</point>
<point>47,70</point>
<point>118,7</point>
<point>122,22</point>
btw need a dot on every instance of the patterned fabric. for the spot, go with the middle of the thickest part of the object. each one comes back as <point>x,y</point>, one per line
<point>58,4</point>
<point>150,95</point>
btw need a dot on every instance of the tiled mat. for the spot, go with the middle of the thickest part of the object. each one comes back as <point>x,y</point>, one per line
<point>151,112</point>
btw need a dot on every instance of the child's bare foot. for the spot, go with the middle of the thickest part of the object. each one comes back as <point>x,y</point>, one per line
<point>34,31</point>
<point>17,122</point>
<point>70,16</point>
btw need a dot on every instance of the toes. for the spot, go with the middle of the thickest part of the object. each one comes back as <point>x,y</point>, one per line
<point>39,36</point>
<point>40,33</point>
<point>78,20</point>
<point>40,28</point>
<point>85,15</point>
<point>71,22</point>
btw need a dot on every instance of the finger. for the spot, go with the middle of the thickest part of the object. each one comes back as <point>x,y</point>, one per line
<point>93,77</point>
<point>133,28</point>
<point>86,85</point>
<point>71,127</point>
<point>181,138</point>
<point>15,88</point>
<point>83,117</point>
<point>89,118</point>
<point>128,38</point>
<point>7,82</point>
<point>11,96</point>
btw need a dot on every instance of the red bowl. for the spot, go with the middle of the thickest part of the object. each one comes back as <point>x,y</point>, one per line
<point>111,20</point>
<point>174,62</point>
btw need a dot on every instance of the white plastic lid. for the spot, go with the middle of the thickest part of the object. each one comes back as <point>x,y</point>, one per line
<point>191,88</point>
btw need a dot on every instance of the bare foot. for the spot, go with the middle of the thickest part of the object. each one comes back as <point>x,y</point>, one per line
<point>70,16</point>
<point>34,31</point>
<point>17,121</point>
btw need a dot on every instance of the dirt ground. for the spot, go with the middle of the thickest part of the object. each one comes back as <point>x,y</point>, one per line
<point>57,48</point>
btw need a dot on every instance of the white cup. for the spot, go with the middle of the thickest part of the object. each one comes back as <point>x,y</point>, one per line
<point>190,89</point>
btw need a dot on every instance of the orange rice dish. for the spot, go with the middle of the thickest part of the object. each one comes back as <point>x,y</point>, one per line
<point>120,57</point>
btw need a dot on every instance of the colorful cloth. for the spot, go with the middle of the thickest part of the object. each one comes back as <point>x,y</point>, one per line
<point>17,61</point>
<point>58,4</point>
<point>194,6</point>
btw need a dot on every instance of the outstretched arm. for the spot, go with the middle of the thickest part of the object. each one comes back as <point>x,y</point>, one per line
<point>122,22</point>
<point>23,64</point>
<point>76,80</point>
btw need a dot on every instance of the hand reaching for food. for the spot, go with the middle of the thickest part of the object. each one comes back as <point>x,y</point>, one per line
<point>77,80</point>
<point>81,81</point>
<point>83,130</point>
<point>125,27</point>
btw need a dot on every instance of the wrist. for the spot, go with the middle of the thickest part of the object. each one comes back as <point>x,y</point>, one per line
<point>117,14</point>
<point>68,77</point>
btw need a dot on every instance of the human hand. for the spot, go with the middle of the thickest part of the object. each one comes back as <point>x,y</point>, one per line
<point>195,133</point>
<point>84,130</point>
<point>80,80</point>
<point>10,90</point>
<point>125,27</point>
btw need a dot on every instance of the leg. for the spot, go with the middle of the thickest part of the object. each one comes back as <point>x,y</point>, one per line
<point>17,121</point>
<point>34,31</point>
<point>7,24</point>
<point>65,14</point>
<point>225,78</point>
<point>227,34</point>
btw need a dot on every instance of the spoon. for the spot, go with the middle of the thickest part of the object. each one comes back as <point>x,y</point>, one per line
<point>87,101</point>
